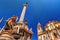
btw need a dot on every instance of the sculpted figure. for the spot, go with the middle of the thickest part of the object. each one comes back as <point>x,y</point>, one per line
<point>11,22</point>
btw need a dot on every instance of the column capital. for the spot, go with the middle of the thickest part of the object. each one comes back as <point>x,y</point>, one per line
<point>26,4</point>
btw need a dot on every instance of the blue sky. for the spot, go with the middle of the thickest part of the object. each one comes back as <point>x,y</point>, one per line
<point>38,11</point>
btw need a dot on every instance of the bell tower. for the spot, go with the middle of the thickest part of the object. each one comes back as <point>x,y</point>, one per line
<point>39,28</point>
<point>39,31</point>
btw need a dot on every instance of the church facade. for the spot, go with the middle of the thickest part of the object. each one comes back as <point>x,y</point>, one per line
<point>51,32</point>
<point>14,30</point>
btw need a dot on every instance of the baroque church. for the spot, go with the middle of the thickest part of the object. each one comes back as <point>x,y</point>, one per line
<point>18,30</point>
<point>51,32</point>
